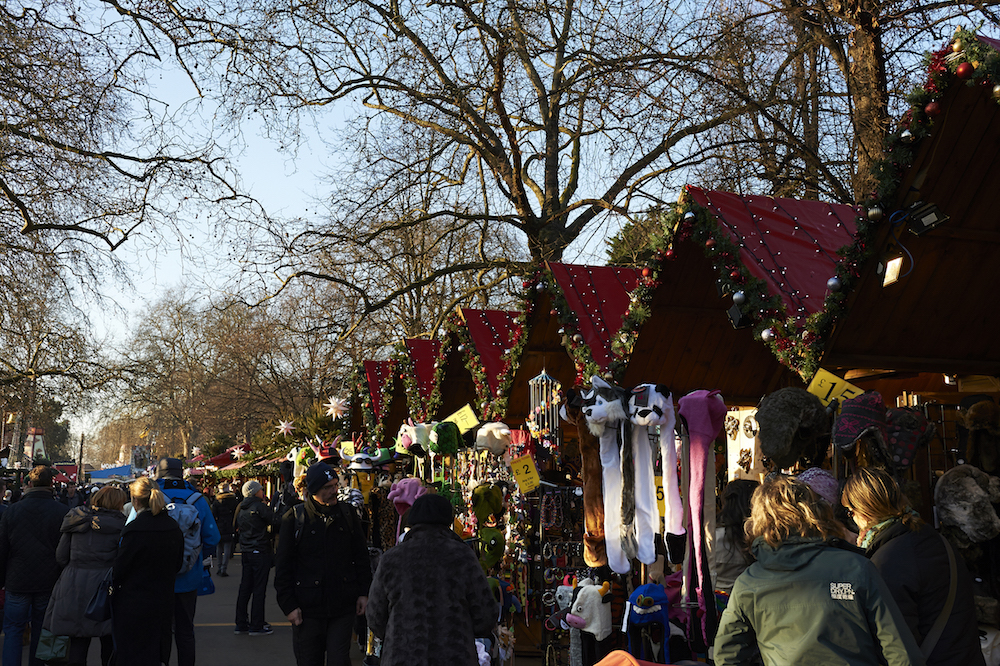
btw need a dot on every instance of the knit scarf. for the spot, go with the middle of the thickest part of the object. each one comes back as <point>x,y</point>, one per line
<point>868,535</point>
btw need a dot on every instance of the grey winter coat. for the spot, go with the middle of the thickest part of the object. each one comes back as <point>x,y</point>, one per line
<point>430,600</point>
<point>87,549</point>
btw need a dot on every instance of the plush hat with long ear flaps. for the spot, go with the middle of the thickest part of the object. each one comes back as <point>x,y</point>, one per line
<point>793,424</point>
<point>493,437</point>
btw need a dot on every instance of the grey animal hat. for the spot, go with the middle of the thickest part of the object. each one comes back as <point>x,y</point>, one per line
<point>793,425</point>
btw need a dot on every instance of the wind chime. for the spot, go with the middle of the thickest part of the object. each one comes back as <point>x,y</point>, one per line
<point>543,421</point>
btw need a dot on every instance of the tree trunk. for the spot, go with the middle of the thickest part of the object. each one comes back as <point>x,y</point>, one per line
<point>871,101</point>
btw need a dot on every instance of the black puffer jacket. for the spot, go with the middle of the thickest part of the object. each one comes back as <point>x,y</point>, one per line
<point>29,534</point>
<point>254,520</point>
<point>325,568</point>
<point>430,600</point>
<point>87,549</point>
<point>224,510</point>
<point>914,565</point>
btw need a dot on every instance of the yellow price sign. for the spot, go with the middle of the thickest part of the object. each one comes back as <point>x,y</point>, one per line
<point>465,419</point>
<point>525,473</point>
<point>347,446</point>
<point>828,387</point>
<point>661,502</point>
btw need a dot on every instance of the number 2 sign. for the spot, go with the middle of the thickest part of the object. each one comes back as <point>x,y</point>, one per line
<point>828,387</point>
<point>525,473</point>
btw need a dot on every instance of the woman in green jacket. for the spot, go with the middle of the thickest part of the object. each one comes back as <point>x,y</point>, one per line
<point>810,598</point>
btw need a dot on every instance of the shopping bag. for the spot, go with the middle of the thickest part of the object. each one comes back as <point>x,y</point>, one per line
<point>99,608</point>
<point>51,648</point>
<point>207,585</point>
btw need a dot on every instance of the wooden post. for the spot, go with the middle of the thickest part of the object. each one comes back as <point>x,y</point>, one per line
<point>79,464</point>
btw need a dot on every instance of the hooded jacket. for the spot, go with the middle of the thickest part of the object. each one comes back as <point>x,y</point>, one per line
<point>914,565</point>
<point>87,549</point>
<point>810,601</point>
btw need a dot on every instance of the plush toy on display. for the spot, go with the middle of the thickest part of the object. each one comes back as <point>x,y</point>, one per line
<point>604,408</point>
<point>861,429</point>
<point>493,437</point>
<point>964,497</point>
<point>402,494</point>
<point>652,406</point>
<point>594,553</point>
<point>413,439</point>
<point>981,420</point>
<point>793,428</point>
<point>487,501</point>
<point>647,623</point>
<point>491,547</point>
<point>590,612</point>
<point>444,439</point>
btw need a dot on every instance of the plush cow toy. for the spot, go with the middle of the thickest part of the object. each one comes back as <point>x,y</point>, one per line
<point>652,405</point>
<point>604,408</point>
<point>414,438</point>
<point>590,611</point>
<point>594,553</point>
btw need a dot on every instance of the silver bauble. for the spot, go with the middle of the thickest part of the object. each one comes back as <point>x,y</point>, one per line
<point>577,338</point>
<point>875,213</point>
<point>767,334</point>
<point>906,136</point>
<point>834,284</point>
<point>689,216</point>
<point>739,298</point>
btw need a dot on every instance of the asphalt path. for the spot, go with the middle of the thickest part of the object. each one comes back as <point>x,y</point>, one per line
<point>215,622</point>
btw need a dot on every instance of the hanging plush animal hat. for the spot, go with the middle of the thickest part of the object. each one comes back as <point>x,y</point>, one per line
<point>908,431</point>
<point>793,425</point>
<point>981,420</point>
<point>652,405</point>
<point>493,437</point>
<point>590,611</point>
<point>860,416</point>
<point>491,547</point>
<point>445,438</point>
<point>964,497</point>
<point>413,439</point>
<point>487,500</point>
<point>648,607</point>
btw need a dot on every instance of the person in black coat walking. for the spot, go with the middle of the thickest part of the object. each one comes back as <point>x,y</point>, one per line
<point>322,572</point>
<point>224,510</point>
<point>911,557</point>
<point>29,534</point>
<point>150,555</point>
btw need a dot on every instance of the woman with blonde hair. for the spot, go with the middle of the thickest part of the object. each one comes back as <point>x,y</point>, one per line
<point>150,555</point>
<point>87,549</point>
<point>917,567</point>
<point>810,598</point>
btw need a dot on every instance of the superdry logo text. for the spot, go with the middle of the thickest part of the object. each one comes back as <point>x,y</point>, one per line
<point>842,591</point>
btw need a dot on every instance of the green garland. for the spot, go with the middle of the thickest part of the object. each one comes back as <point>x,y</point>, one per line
<point>796,343</point>
<point>493,406</point>
<point>373,426</point>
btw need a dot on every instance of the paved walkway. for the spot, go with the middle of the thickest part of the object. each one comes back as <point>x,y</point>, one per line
<point>218,646</point>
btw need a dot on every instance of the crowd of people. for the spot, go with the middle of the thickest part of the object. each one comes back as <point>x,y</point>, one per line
<point>57,547</point>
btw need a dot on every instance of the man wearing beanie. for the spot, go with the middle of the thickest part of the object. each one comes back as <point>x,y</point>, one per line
<point>322,571</point>
<point>431,569</point>
<point>254,519</point>
<point>170,479</point>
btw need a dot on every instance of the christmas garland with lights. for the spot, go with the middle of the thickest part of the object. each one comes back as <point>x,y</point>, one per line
<point>372,425</point>
<point>407,373</point>
<point>797,343</point>
<point>572,339</point>
<point>493,406</point>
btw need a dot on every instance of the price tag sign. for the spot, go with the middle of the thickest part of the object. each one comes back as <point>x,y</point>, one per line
<point>661,502</point>
<point>347,447</point>
<point>828,387</point>
<point>465,419</point>
<point>525,473</point>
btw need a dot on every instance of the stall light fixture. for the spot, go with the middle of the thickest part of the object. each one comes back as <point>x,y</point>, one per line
<point>951,380</point>
<point>924,217</point>
<point>890,266</point>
